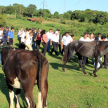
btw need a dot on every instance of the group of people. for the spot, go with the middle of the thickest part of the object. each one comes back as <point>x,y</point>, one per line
<point>6,35</point>
<point>30,39</point>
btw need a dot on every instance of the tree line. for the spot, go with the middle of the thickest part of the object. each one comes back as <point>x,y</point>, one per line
<point>30,11</point>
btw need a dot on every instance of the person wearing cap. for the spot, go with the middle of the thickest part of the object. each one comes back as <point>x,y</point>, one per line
<point>10,37</point>
<point>66,39</point>
<point>55,41</point>
<point>5,35</point>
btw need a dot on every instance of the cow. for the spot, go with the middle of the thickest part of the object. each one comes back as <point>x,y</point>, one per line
<point>22,68</point>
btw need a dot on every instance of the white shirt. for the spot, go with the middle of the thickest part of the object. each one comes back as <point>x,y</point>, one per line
<point>92,39</point>
<point>83,39</point>
<point>1,34</point>
<point>55,38</point>
<point>23,37</point>
<point>22,33</point>
<point>28,41</point>
<point>66,40</point>
<point>49,35</point>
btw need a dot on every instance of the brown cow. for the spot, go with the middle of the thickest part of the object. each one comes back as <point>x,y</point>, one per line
<point>22,68</point>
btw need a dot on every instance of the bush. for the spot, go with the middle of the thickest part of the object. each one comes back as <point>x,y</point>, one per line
<point>62,21</point>
<point>3,20</point>
<point>38,22</point>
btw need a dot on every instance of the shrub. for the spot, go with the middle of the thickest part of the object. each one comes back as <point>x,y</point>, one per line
<point>38,22</point>
<point>3,20</point>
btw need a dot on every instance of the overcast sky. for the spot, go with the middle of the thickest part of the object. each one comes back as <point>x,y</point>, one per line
<point>62,5</point>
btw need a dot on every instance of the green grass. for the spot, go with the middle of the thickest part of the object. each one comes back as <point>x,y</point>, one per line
<point>66,90</point>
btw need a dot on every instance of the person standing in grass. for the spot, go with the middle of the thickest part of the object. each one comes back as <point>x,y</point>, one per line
<point>28,41</point>
<point>34,38</point>
<point>44,41</point>
<point>38,39</point>
<point>49,35</point>
<point>10,37</point>
<point>20,33</point>
<point>66,39</point>
<point>55,41</point>
<point>5,35</point>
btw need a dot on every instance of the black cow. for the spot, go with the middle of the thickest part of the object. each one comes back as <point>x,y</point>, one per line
<point>22,68</point>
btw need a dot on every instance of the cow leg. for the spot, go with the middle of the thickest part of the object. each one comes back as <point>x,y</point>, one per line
<point>17,95</point>
<point>11,95</point>
<point>96,62</point>
<point>80,64</point>
<point>29,99</point>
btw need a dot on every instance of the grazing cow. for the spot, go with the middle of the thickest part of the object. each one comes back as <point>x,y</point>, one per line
<point>22,68</point>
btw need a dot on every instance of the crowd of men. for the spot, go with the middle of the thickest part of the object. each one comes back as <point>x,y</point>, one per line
<point>30,39</point>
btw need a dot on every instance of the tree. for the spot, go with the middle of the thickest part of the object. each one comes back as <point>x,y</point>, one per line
<point>56,14</point>
<point>31,9</point>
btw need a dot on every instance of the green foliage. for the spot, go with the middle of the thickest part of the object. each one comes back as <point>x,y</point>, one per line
<point>38,22</point>
<point>56,15</point>
<point>2,20</point>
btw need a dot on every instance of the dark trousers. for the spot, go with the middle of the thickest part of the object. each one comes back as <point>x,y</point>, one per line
<point>105,60</point>
<point>4,41</point>
<point>44,48</point>
<point>55,47</point>
<point>38,44</point>
<point>63,50</point>
<point>60,48</point>
<point>19,42</point>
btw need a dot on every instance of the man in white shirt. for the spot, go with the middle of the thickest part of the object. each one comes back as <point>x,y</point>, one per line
<point>49,34</point>
<point>21,34</point>
<point>66,39</point>
<point>55,41</point>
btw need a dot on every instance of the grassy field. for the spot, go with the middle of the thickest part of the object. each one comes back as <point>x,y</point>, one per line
<point>66,90</point>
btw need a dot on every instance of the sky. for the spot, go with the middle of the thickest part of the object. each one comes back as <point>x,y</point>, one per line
<point>62,6</point>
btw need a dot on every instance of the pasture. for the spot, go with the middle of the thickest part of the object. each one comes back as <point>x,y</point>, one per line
<point>72,89</point>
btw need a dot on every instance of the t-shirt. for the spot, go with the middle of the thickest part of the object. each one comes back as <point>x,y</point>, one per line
<point>22,33</point>
<point>1,34</point>
<point>49,35</point>
<point>10,34</point>
<point>66,40</point>
<point>23,37</point>
<point>5,34</point>
<point>55,38</point>
<point>39,37</point>
<point>83,39</point>
<point>28,41</point>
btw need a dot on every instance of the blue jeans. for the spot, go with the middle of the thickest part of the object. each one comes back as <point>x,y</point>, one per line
<point>48,47</point>
<point>34,42</point>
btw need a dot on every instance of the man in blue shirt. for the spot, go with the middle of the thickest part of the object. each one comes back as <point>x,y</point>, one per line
<point>10,36</point>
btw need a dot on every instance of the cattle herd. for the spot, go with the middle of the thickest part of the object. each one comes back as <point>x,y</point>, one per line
<point>24,68</point>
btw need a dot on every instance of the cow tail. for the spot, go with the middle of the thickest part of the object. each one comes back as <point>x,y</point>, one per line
<point>39,104</point>
<point>39,69</point>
